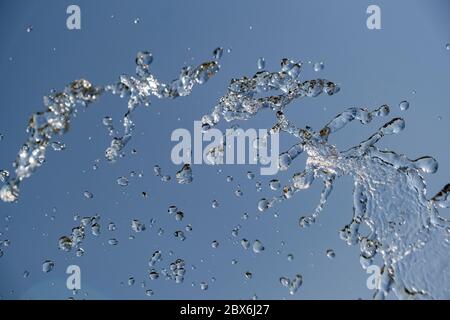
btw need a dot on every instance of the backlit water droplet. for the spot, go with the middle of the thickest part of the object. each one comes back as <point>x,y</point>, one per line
<point>274,184</point>
<point>261,63</point>
<point>318,66</point>
<point>263,204</point>
<point>47,266</point>
<point>330,253</point>
<point>122,181</point>
<point>217,53</point>
<point>258,246</point>
<point>88,195</point>
<point>404,105</point>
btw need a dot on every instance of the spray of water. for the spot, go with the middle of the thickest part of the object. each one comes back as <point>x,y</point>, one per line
<point>389,193</point>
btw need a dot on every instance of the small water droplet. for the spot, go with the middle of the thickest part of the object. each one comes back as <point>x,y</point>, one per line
<point>217,53</point>
<point>88,195</point>
<point>215,244</point>
<point>404,105</point>
<point>330,253</point>
<point>122,181</point>
<point>274,184</point>
<point>47,266</point>
<point>318,66</point>
<point>113,242</point>
<point>29,29</point>
<point>261,63</point>
<point>263,204</point>
<point>215,204</point>
<point>203,286</point>
<point>258,247</point>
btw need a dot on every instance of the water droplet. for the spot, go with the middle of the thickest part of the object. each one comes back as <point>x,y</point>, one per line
<point>404,105</point>
<point>4,175</point>
<point>79,252</point>
<point>250,175</point>
<point>149,292</point>
<point>47,266</point>
<point>137,226</point>
<point>184,176</point>
<point>179,216</point>
<point>29,29</point>
<point>217,53</point>
<point>88,195</point>
<point>274,184</point>
<point>166,178</point>
<point>258,247</point>
<point>157,170</point>
<point>122,181</point>
<point>318,66</point>
<point>113,242</point>
<point>65,243</point>
<point>229,179</point>
<point>290,257</point>
<point>245,244</point>
<point>261,63</point>
<point>248,275</point>
<point>58,146</point>
<point>330,253</point>
<point>95,229</point>
<point>111,226</point>
<point>285,282</point>
<point>215,244</point>
<point>153,274</point>
<point>137,20</point>
<point>131,281</point>
<point>144,58</point>
<point>203,286</point>
<point>26,274</point>
<point>447,46</point>
<point>263,204</point>
<point>215,204</point>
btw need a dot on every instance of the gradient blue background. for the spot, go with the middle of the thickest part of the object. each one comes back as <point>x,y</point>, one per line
<point>372,67</point>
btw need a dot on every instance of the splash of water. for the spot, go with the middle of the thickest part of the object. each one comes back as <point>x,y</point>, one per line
<point>389,194</point>
<point>61,106</point>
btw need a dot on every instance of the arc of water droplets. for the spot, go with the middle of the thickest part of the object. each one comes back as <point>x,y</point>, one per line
<point>60,107</point>
<point>389,189</point>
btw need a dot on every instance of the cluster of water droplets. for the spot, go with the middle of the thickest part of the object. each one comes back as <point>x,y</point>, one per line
<point>390,195</point>
<point>61,106</point>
